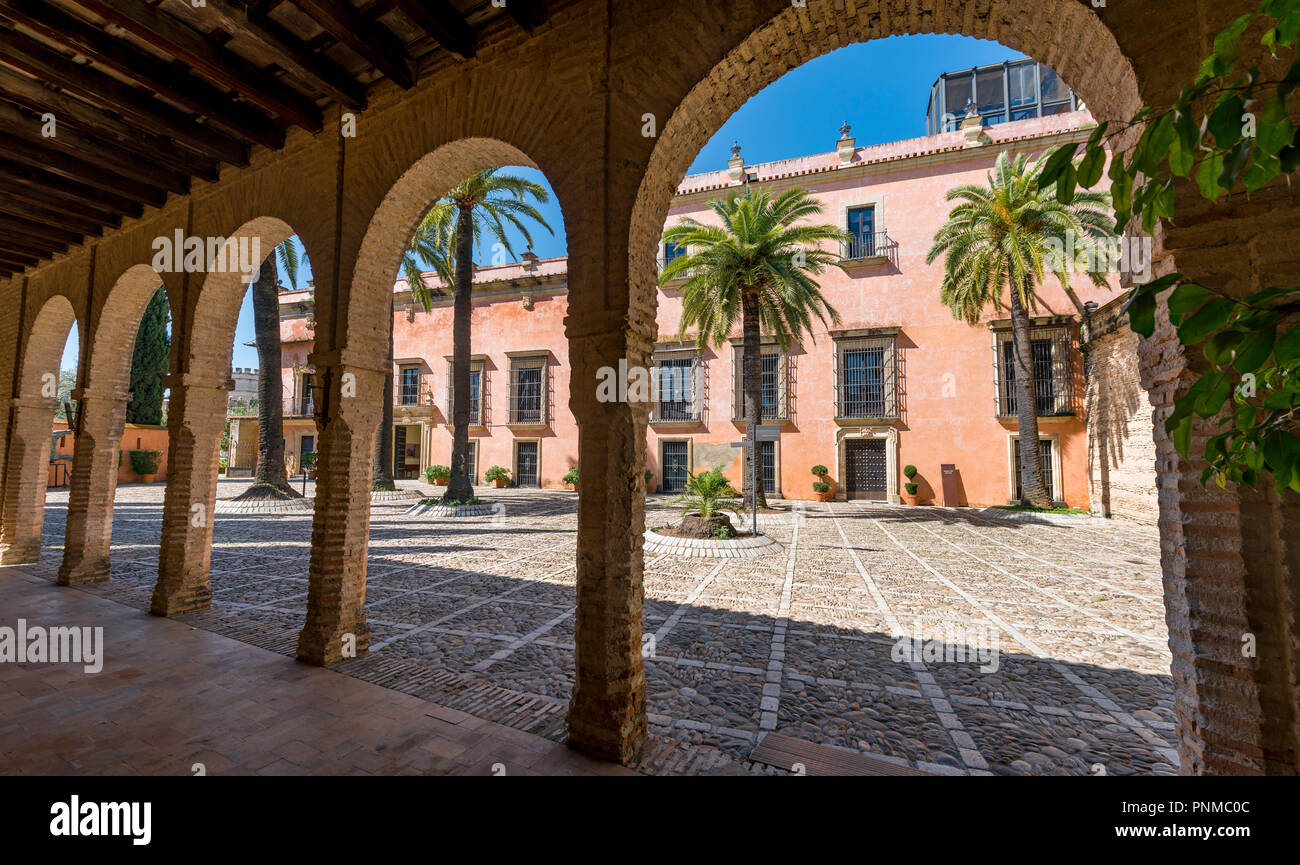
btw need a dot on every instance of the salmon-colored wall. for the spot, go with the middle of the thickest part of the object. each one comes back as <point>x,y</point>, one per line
<point>135,437</point>
<point>947,383</point>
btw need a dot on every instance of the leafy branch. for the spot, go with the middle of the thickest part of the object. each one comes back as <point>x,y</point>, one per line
<point>1230,129</point>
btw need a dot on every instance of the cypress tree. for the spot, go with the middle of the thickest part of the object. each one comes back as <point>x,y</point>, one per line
<point>149,362</point>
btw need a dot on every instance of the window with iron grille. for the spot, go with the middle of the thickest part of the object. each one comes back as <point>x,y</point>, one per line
<point>1049,349</point>
<point>305,401</point>
<point>674,458</point>
<point>775,380</point>
<point>409,390</point>
<point>866,374</point>
<point>475,392</point>
<point>528,390</point>
<point>675,397</point>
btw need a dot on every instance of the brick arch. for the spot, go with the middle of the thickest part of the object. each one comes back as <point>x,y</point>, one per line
<point>112,342</point>
<point>1064,34</point>
<point>391,227</point>
<point>210,333</point>
<point>102,401</point>
<point>199,391</point>
<point>22,504</point>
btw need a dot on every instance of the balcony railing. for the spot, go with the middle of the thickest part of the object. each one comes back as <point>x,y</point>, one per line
<point>412,395</point>
<point>872,245</point>
<point>298,406</point>
<point>674,410</point>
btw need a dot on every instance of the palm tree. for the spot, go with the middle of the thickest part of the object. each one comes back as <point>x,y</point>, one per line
<point>1005,236</point>
<point>483,203</point>
<point>757,267</point>
<point>270,480</point>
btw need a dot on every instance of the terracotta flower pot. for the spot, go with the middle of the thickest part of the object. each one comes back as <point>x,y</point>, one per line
<point>827,496</point>
<point>442,482</point>
<point>148,479</point>
<point>498,483</point>
<point>910,499</point>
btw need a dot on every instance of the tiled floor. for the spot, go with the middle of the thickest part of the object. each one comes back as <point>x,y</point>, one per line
<point>174,700</point>
<point>477,612</point>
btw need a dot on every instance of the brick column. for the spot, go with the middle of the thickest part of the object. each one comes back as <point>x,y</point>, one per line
<point>348,417</point>
<point>89,531</point>
<point>196,416</point>
<point>26,475</point>
<point>607,715</point>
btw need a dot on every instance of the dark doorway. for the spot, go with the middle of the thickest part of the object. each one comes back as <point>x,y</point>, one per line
<point>526,464</point>
<point>674,460</point>
<point>865,469</point>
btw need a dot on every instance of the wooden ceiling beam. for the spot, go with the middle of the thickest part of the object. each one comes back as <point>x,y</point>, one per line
<point>43,187</point>
<point>372,40</point>
<point>216,106</point>
<point>173,37</point>
<point>70,112</point>
<point>46,216</point>
<point>78,171</point>
<point>292,55</point>
<point>147,114</point>
<point>12,190</point>
<point>441,21</point>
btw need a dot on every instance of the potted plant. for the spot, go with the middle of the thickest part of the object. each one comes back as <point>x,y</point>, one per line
<point>222,465</point>
<point>909,497</point>
<point>571,478</point>
<point>438,475</point>
<point>822,486</point>
<point>707,495</point>
<point>497,476</point>
<point>145,464</point>
<point>649,480</point>
<point>309,464</point>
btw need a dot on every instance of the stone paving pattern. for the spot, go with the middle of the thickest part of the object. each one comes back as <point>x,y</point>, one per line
<point>801,641</point>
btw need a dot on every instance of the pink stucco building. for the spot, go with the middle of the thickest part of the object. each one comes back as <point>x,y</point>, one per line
<point>898,381</point>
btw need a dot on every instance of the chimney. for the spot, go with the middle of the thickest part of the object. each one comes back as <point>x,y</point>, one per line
<point>736,165</point>
<point>529,261</point>
<point>844,147</point>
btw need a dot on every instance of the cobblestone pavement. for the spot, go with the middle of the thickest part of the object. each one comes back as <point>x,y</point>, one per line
<point>802,641</point>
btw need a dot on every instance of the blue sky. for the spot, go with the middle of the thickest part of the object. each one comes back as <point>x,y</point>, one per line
<point>879,87</point>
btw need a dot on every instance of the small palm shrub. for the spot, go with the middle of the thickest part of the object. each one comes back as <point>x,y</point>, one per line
<point>707,492</point>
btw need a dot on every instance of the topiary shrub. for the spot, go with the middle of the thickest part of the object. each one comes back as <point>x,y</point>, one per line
<point>145,462</point>
<point>821,487</point>
<point>912,488</point>
<point>820,471</point>
<point>909,471</point>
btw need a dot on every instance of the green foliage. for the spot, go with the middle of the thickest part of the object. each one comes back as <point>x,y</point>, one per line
<point>145,462</point>
<point>723,533</point>
<point>437,473</point>
<point>911,488</point>
<point>707,492</point>
<point>496,473</point>
<point>149,362</point>
<point>649,477</point>
<point>821,487</point>
<point>222,465</point>
<point>909,471</point>
<point>571,477</point>
<point>67,384</point>
<point>762,253</point>
<point>820,470</point>
<point>1230,130</point>
<point>309,461</point>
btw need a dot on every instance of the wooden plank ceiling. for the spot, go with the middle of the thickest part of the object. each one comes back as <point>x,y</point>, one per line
<point>147,94</point>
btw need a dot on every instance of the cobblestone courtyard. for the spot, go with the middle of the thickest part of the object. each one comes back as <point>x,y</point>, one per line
<point>478,614</point>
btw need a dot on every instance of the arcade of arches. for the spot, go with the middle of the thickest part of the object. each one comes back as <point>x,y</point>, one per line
<point>576,98</point>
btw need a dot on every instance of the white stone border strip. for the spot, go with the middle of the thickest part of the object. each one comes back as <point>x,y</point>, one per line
<point>1036,517</point>
<point>770,704</point>
<point>738,548</point>
<point>278,506</point>
<point>483,509</point>
<point>398,495</point>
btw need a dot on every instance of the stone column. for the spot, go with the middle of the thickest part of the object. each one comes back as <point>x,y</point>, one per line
<point>348,417</point>
<point>195,419</point>
<point>89,532</point>
<point>26,475</point>
<point>607,715</point>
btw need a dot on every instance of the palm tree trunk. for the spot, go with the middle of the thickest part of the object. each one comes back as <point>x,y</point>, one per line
<point>1032,489</point>
<point>382,478</point>
<point>752,377</point>
<point>270,480</point>
<point>459,487</point>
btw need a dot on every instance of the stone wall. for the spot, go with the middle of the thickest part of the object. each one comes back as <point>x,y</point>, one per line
<point>1121,450</point>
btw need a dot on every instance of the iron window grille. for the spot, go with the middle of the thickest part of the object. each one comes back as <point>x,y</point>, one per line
<point>475,392</point>
<point>866,377</point>
<point>1050,358</point>
<point>675,396</point>
<point>528,390</point>
<point>775,384</point>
